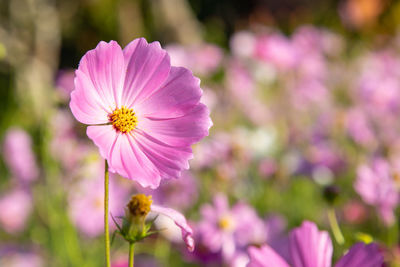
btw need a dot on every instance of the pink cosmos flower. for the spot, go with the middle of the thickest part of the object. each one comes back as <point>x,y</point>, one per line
<point>376,186</point>
<point>19,155</point>
<point>15,206</point>
<point>312,248</point>
<point>144,114</point>
<point>86,202</point>
<point>228,229</point>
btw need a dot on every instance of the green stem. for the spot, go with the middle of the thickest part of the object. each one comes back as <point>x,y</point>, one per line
<point>337,233</point>
<point>106,227</point>
<point>131,254</point>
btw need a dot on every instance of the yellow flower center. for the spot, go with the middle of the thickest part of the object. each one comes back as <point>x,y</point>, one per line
<point>139,205</point>
<point>225,222</point>
<point>123,119</point>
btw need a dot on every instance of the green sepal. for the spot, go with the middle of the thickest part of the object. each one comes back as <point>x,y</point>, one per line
<point>126,231</point>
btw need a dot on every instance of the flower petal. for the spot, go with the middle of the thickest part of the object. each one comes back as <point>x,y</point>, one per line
<point>99,81</point>
<point>124,156</point>
<point>169,160</point>
<point>310,247</point>
<point>135,164</point>
<point>86,104</point>
<point>181,131</point>
<point>265,257</point>
<point>180,221</point>
<point>104,137</point>
<point>177,96</point>
<point>362,255</point>
<point>173,114</point>
<point>147,66</point>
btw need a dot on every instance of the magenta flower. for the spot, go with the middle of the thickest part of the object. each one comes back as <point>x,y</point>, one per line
<point>312,248</point>
<point>376,186</point>
<point>144,114</point>
<point>19,156</point>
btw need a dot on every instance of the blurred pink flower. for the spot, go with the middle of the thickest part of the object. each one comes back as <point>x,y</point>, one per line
<point>376,186</point>
<point>143,113</point>
<point>207,58</point>
<point>312,248</point>
<point>242,85</point>
<point>267,167</point>
<point>309,93</point>
<point>202,59</point>
<point>276,49</point>
<point>214,150</point>
<point>378,85</point>
<point>86,201</point>
<point>224,229</point>
<point>10,257</point>
<point>15,206</point>
<point>243,44</point>
<point>65,83</point>
<point>359,127</point>
<point>65,145</point>
<point>19,156</point>
<point>313,40</point>
<point>309,39</point>
<point>354,212</point>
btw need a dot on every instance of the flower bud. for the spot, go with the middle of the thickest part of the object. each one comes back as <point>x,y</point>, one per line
<point>135,216</point>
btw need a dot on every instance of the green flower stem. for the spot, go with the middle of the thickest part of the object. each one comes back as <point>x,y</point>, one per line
<point>337,233</point>
<point>106,227</point>
<point>131,254</point>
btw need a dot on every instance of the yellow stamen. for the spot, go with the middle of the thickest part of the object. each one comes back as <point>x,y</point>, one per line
<point>225,223</point>
<point>123,119</point>
<point>139,206</point>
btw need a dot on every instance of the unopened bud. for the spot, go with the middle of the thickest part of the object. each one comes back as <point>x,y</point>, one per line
<point>140,205</point>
